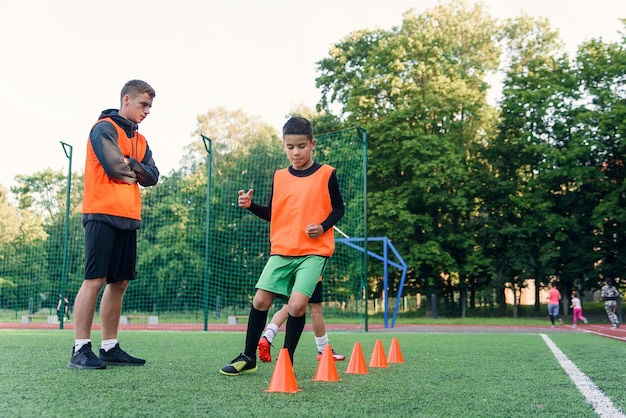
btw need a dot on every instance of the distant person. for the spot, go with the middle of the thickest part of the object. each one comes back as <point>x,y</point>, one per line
<point>317,320</point>
<point>554,302</point>
<point>611,296</point>
<point>304,206</point>
<point>578,309</point>
<point>118,161</point>
<point>63,308</point>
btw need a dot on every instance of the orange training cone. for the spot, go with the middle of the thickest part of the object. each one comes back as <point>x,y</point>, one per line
<point>378,356</point>
<point>326,369</point>
<point>395,355</point>
<point>283,378</point>
<point>357,361</point>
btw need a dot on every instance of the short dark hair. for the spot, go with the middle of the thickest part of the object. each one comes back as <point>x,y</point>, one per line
<point>135,87</point>
<point>297,125</point>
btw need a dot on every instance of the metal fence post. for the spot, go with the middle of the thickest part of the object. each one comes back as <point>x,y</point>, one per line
<point>67,148</point>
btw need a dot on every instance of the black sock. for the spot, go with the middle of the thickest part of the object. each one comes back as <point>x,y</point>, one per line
<point>552,319</point>
<point>294,327</point>
<point>256,325</point>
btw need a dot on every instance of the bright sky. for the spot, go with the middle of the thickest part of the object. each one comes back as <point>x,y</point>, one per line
<point>64,61</point>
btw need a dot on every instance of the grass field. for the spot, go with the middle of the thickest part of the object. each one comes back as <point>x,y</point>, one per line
<point>443,375</point>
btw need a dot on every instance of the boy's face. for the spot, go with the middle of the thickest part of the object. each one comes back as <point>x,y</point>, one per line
<point>298,149</point>
<point>135,109</point>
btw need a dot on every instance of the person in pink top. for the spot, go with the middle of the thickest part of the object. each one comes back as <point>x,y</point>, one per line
<point>554,301</point>
<point>578,309</point>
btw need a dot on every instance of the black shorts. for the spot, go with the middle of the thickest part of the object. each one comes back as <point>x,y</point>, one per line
<point>316,297</point>
<point>109,252</point>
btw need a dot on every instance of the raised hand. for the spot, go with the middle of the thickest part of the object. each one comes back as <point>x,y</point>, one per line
<point>245,199</point>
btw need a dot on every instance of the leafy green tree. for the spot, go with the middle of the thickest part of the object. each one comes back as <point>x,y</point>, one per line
<point>172,254</point>
<point>602,71</point>
<point>44,194</point>
<point>9,220</point>
<point>538,93</point>
<point>419,91</point>
<point>229,130</point>
<point>22,257</point>
<point>323,122</point>
<point>9,232</point>
<point>170,245</point>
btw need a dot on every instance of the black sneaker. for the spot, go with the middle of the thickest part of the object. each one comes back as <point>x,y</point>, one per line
<point>118,357</point>
<point>85,359</point>
<point>241,364</point>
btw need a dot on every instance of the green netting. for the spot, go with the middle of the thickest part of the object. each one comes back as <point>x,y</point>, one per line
<point>239,240</point>
<point>186,273</point>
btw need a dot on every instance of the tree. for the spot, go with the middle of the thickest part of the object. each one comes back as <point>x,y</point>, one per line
<point>45,193</point>
<point>419,92</point>
<point>22,255</point>
<point>602,71</point>
<point>538,93</point>
<point>229,130</point>
<point>173,251</point>
<point>9,220</point>
<point>9,231</point>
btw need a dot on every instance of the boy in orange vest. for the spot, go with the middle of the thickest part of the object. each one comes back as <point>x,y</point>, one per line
<point>304,205</point>
<point>118,160</point>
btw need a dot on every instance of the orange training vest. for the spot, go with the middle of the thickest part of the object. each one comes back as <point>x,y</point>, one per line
<point>297,202</point>
<point>106,196</point>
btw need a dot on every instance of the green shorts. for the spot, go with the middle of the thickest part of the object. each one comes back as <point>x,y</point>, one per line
<point>283,275</point>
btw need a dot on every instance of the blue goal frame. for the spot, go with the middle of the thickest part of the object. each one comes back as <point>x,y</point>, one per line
<point>400,264</point>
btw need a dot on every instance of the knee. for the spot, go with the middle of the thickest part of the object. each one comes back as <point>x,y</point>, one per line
<point>262,301</point>
<point>297,308</point>
<point>315,309</point>
<point>297,304</point>
<point>93,285</point>
<point>119,286</point>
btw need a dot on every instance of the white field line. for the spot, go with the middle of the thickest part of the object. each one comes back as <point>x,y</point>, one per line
<point>601,403</point>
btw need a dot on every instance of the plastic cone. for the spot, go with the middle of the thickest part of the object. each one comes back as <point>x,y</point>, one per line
<point>357,361</point>
<point>326,369</point>
<point>395,355</point>
<point>378,356</point>
<point>283,378</point>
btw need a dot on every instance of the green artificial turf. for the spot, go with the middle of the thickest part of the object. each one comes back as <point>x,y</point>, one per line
<point>443,375</point>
